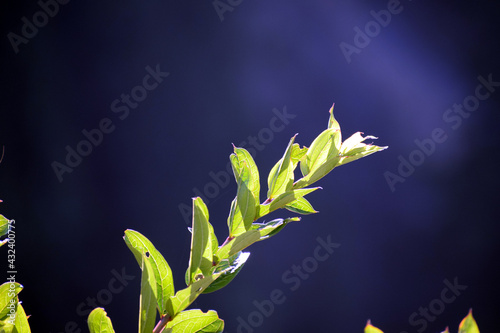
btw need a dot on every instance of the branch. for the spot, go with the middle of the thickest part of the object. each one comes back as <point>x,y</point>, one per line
<point>161,324</point>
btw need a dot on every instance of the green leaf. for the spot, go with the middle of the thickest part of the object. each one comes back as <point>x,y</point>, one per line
<point>301,206</point>
<point>332,122</point>
<point>297,154</point>
<point>7,323</point>
<point>4,229</point>
<point>230,267</point>
<point>246,203</point>
<point>243,208</point>
<point>99,322</point>
<point>238,244</point>
<point>4,225</point>
<point>21,323</point>
<point>318,173</point>
<point>271,228</point>
<point>371,329</point>
<point>468,324</point>
<point>183,298</point>
<point>257,233</point>
<point>282,200</point>
<point>140,245</point>
<point>213,238</point>
<point>325,147</point>
<point>235,220</point>
<point>8,294</point>
<point>280,178</point>
<point>353,148</point>
<point>195,321</point>
<point>245,159</point>
<point>201,257</point>
<point>147,307</point>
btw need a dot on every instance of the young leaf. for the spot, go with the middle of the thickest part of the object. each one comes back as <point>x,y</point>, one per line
<point>4,226</point>
<point>468,324</point>
<point>21,322</point>
<point>147,301</point>
<point>280,178</point>
<point>140,245</point>
<point>195,321</point>
<point>244,158</point>
<point>7,324</point>
<point>183,298</point>
<point>325,147</point>
<point>238,244</point>
<point>99,322</point>
<point>297,154</point>
<point>201,257</point>
<point>301,206</point>
<point>243,207</point>
<point>282,200</point>
<point>229,267</point>
<point>213,238</point>
<point>271,228</point>
<point>332,122</point>
<point>371,329</point>
<point>8,294</point>
<point>235,220</point>
<point>353,148</point>
<point>257,233</point>
<point>317,173</point>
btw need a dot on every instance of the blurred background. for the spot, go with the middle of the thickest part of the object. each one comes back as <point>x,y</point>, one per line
<point>114,116</point>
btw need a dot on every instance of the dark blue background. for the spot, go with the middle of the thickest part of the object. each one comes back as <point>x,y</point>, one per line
<point>226,77</point>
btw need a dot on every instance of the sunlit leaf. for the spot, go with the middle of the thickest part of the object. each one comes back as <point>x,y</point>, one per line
<point>244,206</point>
<point>325,147</point>
<point>332,122</point>
<point>301,206</point>
<point>283,199</point>
<point>297,154</point>
<point>245,159</point>
<point>271,228</point>
<point>371,329</point>
<point>317,173</point>
<point>4,226</point>
<point>201,241</point>
<point>183,298</point>
<point>195,321</point>
<point>213,238</point>
<point>8,323</point>
<point>147,301</point>
<point>8,296</point>
<point>280,178</point>
<point>238,244</point>
<point>99,322</point>
<point>21,323</point>
<point>468,324</point>
<point>229,267</point>
<point>321,158</point>
<point>257,233</point>
<point>140,245</point>
<point>353,148</point>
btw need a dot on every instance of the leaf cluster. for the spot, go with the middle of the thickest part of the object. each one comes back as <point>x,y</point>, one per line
<point>212,266</point>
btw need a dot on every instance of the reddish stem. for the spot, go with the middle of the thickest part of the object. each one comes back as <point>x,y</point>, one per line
<point>161,324</point>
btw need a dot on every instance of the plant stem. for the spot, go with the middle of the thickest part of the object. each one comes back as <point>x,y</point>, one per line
<point>161,324</point>
<point>228,239</point>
